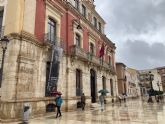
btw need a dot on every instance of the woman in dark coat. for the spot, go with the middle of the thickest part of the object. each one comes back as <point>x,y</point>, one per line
<point>58,104</point>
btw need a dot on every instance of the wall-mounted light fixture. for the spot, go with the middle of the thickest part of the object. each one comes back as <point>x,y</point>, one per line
<point>77,23</point>
<point>79,26</point>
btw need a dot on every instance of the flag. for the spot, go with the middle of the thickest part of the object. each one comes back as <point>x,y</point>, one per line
<point>102,50</point>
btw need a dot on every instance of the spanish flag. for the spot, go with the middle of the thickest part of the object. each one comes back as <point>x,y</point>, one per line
<point>102,51</point>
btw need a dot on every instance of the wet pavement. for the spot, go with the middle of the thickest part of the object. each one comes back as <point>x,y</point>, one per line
<point>133,112</point>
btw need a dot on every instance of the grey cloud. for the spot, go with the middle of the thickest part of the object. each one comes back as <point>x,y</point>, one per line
<point>138,16</point>
<point>142,55</point>
<point>133,16</point>
<point>140,21</point>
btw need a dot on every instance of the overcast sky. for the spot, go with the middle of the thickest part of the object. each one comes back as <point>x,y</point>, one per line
<point>137,27</point>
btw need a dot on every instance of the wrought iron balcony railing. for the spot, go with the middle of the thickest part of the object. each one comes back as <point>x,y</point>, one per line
<point>53,40</point>
<point>92,58</point>
<point>109,66</point>
<point>81,54</point>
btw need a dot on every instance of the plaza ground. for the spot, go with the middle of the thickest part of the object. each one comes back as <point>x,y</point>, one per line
<point>131,112</point>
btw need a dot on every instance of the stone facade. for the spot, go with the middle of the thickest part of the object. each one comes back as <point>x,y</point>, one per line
<point>121,77</point>
<point>28,52</point>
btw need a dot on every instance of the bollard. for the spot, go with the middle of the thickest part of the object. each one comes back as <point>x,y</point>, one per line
<point>26,112</point>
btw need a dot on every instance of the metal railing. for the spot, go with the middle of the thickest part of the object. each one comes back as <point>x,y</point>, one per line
<point>87,56</point>
<point>77,51</point>
<point>92,58</point>
<point>109,66</point>
<point>53,40</point>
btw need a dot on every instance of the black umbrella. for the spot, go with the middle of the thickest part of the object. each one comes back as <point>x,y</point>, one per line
<point>103,91</point>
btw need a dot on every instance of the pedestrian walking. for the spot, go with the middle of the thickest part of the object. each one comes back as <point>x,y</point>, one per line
<point>120,98</point>
<point>150,99</point>
<point>124,96</point>
<point>59,102</point>
<point>83,101</point>
<point>101,98</point>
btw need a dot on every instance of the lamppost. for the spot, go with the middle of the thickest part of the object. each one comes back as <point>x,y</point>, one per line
<point>151,78</point>
<point>158,84</point>
<point>4,41</point>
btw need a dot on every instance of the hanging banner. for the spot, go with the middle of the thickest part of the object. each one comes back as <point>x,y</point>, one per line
<point>57,53</point>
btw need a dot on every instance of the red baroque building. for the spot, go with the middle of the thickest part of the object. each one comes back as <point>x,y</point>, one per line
<point>54,44</point>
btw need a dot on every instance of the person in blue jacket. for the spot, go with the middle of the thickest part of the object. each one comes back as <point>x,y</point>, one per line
<point>58,105</point>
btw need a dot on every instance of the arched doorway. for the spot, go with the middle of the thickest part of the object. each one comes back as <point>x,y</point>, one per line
<point>93,85</point>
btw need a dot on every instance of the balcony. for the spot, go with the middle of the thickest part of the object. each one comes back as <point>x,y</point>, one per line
<point>77,52</point>
<point>53,40</point>
<point>92,58</point>
<point>109,66</point>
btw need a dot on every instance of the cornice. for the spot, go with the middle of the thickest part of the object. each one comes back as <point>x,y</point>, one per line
<point>23,35</point>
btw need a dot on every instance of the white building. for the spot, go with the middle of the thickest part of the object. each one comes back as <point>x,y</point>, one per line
<point>133,89</point>
<point>146,79</point>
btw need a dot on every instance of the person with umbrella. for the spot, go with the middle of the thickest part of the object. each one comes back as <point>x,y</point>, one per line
<point>59,102</point>
<point>102,97</point>
<point>103,91</point>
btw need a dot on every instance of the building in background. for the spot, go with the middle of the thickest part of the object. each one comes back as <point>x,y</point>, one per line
<point>144,83</point>
<point>121,78</point>
<point>147,83</point>
<point>133,89</point>
<point>161,71</point>
<point>54,45</point>
<point>128,80</point>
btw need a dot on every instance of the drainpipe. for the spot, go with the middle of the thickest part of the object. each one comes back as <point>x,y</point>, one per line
<point>67,61</point>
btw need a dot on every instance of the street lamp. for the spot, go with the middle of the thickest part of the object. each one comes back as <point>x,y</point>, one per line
<point>158,84</point>
<point>151,78</point>
<point>4,41</point>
